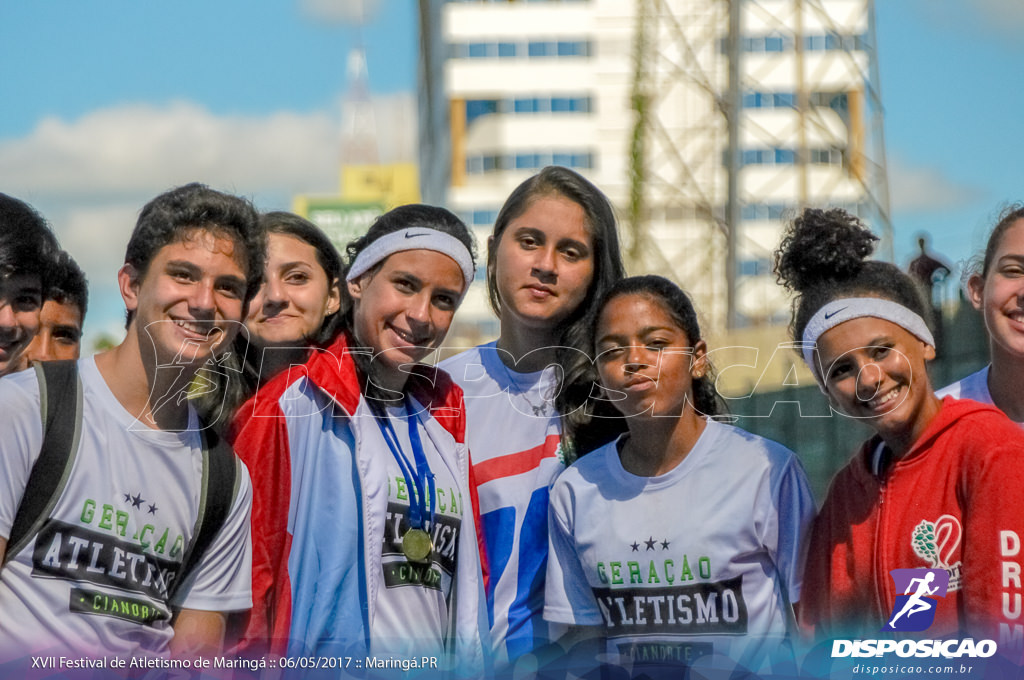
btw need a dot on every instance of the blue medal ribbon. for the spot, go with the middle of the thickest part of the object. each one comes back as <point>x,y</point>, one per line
<point>422,486</point>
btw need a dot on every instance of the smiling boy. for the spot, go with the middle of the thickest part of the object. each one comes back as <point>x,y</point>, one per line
<point>111,565</point>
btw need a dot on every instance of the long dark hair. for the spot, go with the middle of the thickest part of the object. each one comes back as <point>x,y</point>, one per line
<point>605,421</point>
<point>327,256</point>
<point>238,375</point>
<point>578,374</point>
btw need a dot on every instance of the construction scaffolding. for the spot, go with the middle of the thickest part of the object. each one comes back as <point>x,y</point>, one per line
<point>708,123</point>
<point>745,111</point>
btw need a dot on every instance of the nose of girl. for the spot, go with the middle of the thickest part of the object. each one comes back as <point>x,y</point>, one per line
<point>545,265</point>
<point>869,381</point>
<point>635,358</point>
<point>418,311</point>
<point>273,298</point>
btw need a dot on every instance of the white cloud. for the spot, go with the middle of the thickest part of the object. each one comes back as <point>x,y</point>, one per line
<point>91,176</point>
<point>142,149</point>
<point>343,11</point>
<point>915,188</point>
<point>145,148</point>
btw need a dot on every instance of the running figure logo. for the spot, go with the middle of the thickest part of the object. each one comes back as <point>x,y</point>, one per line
<point>915,608</point>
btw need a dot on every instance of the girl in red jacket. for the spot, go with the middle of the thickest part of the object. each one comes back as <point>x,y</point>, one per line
<point>938,487</point>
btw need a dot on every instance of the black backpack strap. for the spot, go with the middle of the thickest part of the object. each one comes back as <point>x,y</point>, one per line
<point>220,485</point>
<point>60,401</point>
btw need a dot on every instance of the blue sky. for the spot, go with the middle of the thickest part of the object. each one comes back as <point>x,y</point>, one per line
<point>249,100</point>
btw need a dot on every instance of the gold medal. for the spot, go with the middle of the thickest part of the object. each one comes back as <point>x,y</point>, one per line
<point>416,545</point>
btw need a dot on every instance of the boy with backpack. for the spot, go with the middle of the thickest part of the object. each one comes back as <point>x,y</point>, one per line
<point>126,522</point>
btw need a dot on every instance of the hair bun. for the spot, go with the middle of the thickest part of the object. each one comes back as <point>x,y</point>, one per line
<point>822,245</point>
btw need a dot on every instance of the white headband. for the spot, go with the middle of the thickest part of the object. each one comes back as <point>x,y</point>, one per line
<point>414,238</point>
<point>844,309</point>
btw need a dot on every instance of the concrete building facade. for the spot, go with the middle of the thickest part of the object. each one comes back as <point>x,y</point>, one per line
<point>638,96</point>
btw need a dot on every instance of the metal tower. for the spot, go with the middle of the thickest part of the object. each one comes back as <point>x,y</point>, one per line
<point>745,111</point>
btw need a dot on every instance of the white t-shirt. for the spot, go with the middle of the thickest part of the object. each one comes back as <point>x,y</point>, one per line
<point>94,579</point>
<point>514,434</point>
<point>700,560</point>
<point>411,615</point>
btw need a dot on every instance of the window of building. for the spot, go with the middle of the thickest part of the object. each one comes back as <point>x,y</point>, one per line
<point>541,49</point>
<point>837,101</point>
<point>764,211</point>
<point>826,156</point>
<point>755,267</point>
<point>510,50</point>
<point>478,164</point>
<point>484,217</point>
<point>525,105</point>
<point>480,107</point>
<point>583,161</point>
<point>573,48</point>
<point>774,43</point>
<point>527,161</point>
<point>783,156</point>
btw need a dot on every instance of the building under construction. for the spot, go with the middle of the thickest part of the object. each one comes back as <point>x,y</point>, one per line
<point>707,122</point>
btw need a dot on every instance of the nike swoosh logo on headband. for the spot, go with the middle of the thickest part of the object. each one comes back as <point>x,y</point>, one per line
<point>422,233</point>
<point>829,315</point>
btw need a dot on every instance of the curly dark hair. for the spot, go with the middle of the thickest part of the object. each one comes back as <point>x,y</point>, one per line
<point>823,257</point>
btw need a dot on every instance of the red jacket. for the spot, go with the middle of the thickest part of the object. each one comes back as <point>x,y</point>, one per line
<point>260,436</point>
<point>959,492</point>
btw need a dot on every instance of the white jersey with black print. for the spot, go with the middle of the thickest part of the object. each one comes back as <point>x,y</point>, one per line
<point>95,579</point>
<point>704,559</point>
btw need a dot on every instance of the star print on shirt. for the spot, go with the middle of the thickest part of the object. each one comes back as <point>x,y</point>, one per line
<point>152,508</point>
<point>127,498</point>
<point>664,545</point>
<point>137,500</point>
<point>650,543</point>
<point>635,547</point>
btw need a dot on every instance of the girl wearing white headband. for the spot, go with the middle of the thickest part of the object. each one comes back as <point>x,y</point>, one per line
<point>939,485</point>
<point>364,542</point>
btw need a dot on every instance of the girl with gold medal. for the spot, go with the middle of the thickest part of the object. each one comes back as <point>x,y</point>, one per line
<point>364,537</point>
